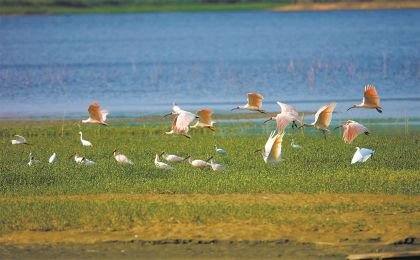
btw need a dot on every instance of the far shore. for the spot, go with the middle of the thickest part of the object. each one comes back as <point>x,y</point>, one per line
<point>200,7</point>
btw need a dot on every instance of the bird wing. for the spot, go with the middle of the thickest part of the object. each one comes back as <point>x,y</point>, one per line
<point>20,139</point>
<point>182,121</point>
<point>255,99</point>
<point>275,153</point>
<point>104,113</point>
<point>269,145</point>
<point>356,157</point>
<point>285,108</point>
<point>371,96</point>
<point>365,154</point>
<point>352,130</point>
<point>324,115</point>
<point>95,112</point>
<point>205,116</point>
<point>282,120</point>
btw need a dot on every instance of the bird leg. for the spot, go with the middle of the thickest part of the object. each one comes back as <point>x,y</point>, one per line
<point>187,136</point>
<point>325,134</point>
<point>379,109</point>
<point>211,128</point>
<point>294,125</point>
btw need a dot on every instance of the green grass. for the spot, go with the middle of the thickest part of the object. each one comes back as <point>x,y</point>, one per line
<point>322,166</point>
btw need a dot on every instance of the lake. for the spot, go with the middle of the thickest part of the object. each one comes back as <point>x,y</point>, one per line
<point>137,64</point>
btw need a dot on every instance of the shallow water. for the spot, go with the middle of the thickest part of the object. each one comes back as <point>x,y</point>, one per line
<point>138,64</point>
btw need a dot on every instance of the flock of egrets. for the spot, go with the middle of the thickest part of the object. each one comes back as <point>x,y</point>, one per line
<point>271,152</point>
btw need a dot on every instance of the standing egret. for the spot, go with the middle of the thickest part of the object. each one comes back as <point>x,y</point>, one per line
<point>361,155</point>
<point>254,103</point>
<point>181,124</point>
<point>19,140</point>
<point>370,99</point>
<point>32,160</point>
<point>295,145</point>
<point>84,142</point>
<point>215,166</point>
<point>204,120</point>
<point>198,163</point>
<point>272,149</point>
<point>219,150</point>
<point>121,158</point>
<point>82,160</point>
<point>162,165</point>
<point>96,116</point>
<point>171,157</point>
<point>288,115</point>
<point>351,130</point>
<point>53,158</point>
<point>323,118</point>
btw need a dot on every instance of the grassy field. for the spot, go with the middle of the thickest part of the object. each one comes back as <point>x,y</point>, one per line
<point>314,196</point>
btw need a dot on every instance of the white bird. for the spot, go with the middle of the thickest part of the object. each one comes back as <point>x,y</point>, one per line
<point>198,163</point>
<point>53,158</point>
<point>19,140</point>
<point>254,103</point>
<point>216,167</point>
<point>32,160</point>
<point>219,150</point>
<point>121,158</point>
<point>84,142</point>
<point>370,99</point>
<point>162,165</point>
<point>351,130</point>
<point>295,145</point>
<point>272,149</point>
<point>288,115</point>
<point>361,155</point>
<point>96,116</point>
<point>204,119</point>
<point>171,157</point>
<point>323,118</point>
<point>181,124</point>
<point>176,110</point>
<point>82,160</point>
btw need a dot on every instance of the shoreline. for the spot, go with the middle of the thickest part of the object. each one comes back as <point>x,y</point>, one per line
<point>14,10</point>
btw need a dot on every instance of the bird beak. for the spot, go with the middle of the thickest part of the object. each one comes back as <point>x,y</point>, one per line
<point>233,108</point>
<point>211,157</point>
<point>187,157</point>
<point>114,152</point>
<point>72,155</point>
<point>161,153</point>
<point>338,127</point>
<point>167,114</point>
<point>349,108</point>
<point>267,120</point>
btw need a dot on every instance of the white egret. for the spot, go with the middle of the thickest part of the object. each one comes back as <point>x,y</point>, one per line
<point>323,118</point>
<point>84,142</point>
<point>96,116</point>
<point>361,155</point>
<point>19,140</point>
<point>288,115</point>
<point>219,150</point>
<point>254,103</point>
<point>82,160</point>
<point>370,99</point>
<point>351,130</point>
<point>162,165</point>
<point>121,158</point>
<point>272,149</point>
<point>171,157</point>
<point>53,158</point>
<point>215,166</point>
<point>198,163</point>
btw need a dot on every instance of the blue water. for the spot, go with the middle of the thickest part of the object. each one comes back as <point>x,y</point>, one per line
<point>138,64</point>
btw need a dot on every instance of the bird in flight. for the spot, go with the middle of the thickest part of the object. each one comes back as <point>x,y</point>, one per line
<point>370,99</point>
<point>322,118</point>
<point>19,140</point>
<point>96,116</point>
<point>254,103</point>
<point>351,130</point>
<point>361,155</point>
<point>288,115</point>
<point>181,124</point>
<point>204,120</point>
<point>272,150</point>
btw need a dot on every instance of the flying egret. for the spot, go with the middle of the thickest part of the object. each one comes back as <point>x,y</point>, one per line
<point>215,166</point>
<point>121,158</point>
<point>84,142</point>
<point>32,160</point>
<point>162,165</point>
<point>198,163</point>
<point>171,157</point>
<point>351,130</point>
<point>96,116</point>
<point>323,118</point>
<point>370,99</point>
<point>53,158</point>
<point>219,150</point>
<point>272,149</point>
<point>288,115</point>
<point>181,124</point>
<point>295,145</point>
<point>82,160</point>
<point>19,140</point>
<point>204,120</point>
<point>361,155</point>
<point>254,103</point>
